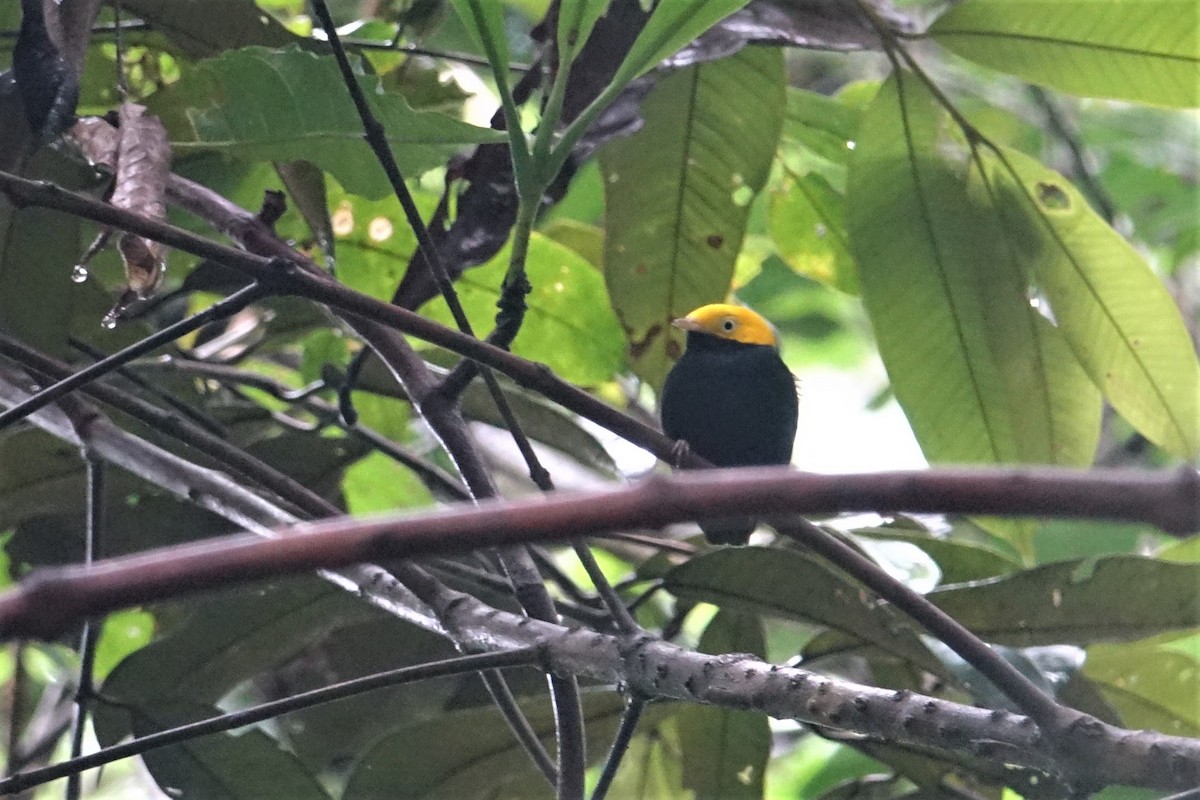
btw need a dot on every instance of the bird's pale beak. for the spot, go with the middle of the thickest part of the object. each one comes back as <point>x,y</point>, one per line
<point>686,324</point>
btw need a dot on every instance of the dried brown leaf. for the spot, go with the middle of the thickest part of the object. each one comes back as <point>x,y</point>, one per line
<point>98,140</point>
<point>143,165</point>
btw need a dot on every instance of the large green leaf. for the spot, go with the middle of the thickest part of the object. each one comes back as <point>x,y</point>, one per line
<point>1142,50</point>
<point>576,18</point>
<point>794,585</point>
<point>226,766</point>
<point>651,768</point>
<point>670,27</point>
<point>808,225</point>
<point>283,105</point>
<point>980,374</point>
<point>472,754</point>
<point>211,27</point>
<point>38,475</point>
<point>678,194</point>
<point>230,638</point>
<point>725,752</point>
<point>373,239</point>
<point>958,560</point>
<point>484,22</point>
<point>569,325</point>
<point>1115,315</point>
<point>331,735</point>
<point>1152,687</point>
<point>1110,599</point>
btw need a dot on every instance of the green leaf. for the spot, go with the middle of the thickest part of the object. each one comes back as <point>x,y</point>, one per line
<point>39,304</point>
<point>374,241</point>
<point>569,325</point>
<point>795,585</point>
<point>1142,50</point>
<point>214,26</point>
<point>959,561</point>
<point>484,21</point>
<point>121,634</point>
<point>39,475</point>
<point>266,105</point>
<point>1115,315</point>
<point>980,375</point>
<point>819,129</point>
<point>1151,687</point>
<point>1116,598</point>
<point>331,735</point>
<point>472,754</point>
<point>378,484</point>
<point>678,196</point>
<point>725,752</point>
<point>228,639</point>
<point>809,228</point>
<point>322,347</point>
<point>576,18</point>
<point>651,768</point>
<point>586,240</point>
<point>670,27</point>
<point>226,766</point>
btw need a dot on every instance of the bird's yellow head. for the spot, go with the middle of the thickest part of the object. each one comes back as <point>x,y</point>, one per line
<point>731,322</point>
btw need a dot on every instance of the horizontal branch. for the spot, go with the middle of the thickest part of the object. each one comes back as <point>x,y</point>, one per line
<point>51,599</point>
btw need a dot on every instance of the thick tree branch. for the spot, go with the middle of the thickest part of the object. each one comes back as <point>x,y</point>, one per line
<point>52,599</point>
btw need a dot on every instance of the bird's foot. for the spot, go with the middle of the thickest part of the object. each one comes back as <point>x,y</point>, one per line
<point>679,452</point>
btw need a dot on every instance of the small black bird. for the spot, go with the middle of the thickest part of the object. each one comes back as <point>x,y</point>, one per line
<point>731,398</point>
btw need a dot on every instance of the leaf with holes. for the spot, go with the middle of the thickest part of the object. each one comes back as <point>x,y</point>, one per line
<point>981,376</point>
<point>677,196</point>
<point>1115,315</point>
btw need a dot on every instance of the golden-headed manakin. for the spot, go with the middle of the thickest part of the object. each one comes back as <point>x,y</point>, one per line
<point>731,398</point>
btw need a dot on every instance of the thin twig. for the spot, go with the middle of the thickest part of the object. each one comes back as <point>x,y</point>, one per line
<point>629,722</point>
<point>527,585</point>
<point>1081,170</point>
<point>326,412</point>
<point>206,421</point>
<point>416,50</point>
<point>503,697</point>
<point>265,711</point>
<point>234,458</point>
<point>219,310</point>
<point>17,686</point>
<point>93,548</point>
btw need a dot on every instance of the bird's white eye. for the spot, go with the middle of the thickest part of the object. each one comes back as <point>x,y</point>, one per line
<point>728,325</point>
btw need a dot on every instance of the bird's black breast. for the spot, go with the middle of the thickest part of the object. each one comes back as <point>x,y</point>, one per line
<point>735,404</point>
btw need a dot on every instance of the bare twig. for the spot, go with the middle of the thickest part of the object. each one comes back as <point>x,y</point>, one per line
<point>238,719</point>
<point>93,548</point>
<point>620,745</point>
<point>219,310</point>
